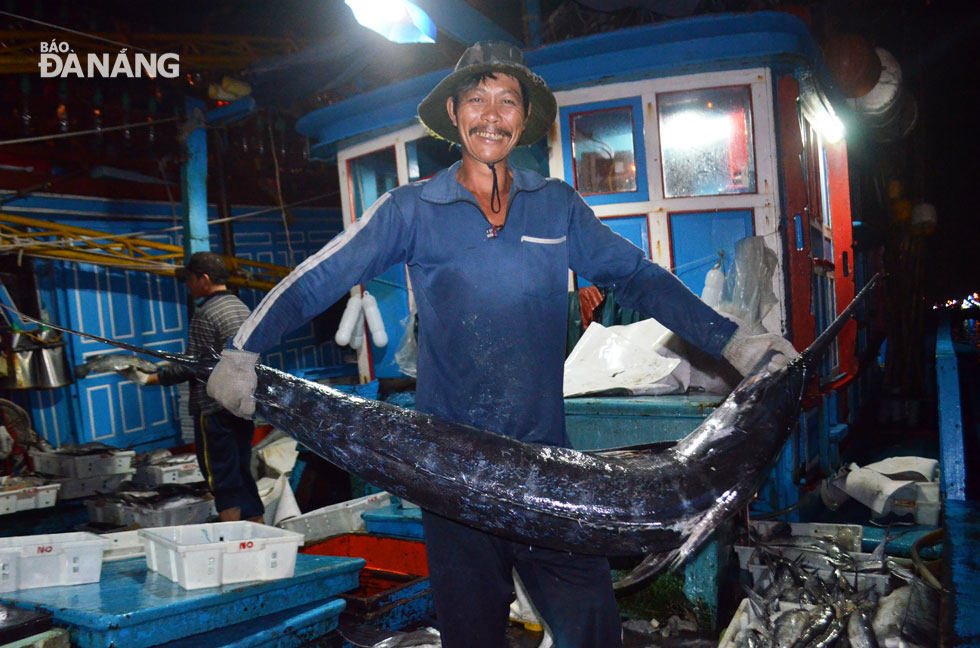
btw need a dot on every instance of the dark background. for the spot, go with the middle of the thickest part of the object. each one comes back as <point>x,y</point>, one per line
<point>936,42</point>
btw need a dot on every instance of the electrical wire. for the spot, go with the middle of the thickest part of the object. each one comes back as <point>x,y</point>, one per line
<point>285,224</point>
<point>94,131</point>
<point>76,32</point>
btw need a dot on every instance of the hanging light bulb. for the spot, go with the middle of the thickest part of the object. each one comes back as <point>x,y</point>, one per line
<point>25,115</point>
<point>62,110</point>
<point>127,133</point>
<point>97,110</point>
<point>260,141</point>
<point>281,138</point>
<point>151,136</point>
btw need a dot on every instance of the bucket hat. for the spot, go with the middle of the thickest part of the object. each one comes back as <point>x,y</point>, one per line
<point>490,56</point>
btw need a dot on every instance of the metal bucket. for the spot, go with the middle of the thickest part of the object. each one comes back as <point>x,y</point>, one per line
<point>37,361</point>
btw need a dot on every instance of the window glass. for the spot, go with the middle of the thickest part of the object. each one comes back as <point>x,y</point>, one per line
<point>429,155</point>
<point>371,175</point>
<point>706,142</point>
<point>824,309</point>
<point>700,240</point>
<point>603,151</point>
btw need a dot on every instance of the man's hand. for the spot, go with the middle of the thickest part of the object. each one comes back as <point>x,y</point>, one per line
<point>233,382</point>
<point>745,351</point>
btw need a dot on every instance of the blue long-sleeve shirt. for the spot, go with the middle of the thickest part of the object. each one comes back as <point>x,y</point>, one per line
<point>492,310</point>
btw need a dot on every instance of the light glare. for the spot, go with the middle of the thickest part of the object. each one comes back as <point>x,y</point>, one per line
<point>399,21</point>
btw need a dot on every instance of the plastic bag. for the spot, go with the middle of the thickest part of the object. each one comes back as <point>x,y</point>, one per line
<point>407,355</point>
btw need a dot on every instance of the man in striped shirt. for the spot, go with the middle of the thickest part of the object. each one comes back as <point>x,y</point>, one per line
<point>223,441</point>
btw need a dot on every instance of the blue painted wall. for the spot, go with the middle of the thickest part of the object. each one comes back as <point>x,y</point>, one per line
<point>150,310</point>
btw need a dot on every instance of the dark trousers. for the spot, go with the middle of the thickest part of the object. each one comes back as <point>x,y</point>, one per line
<point>472,586</point>
<point>224,451</point>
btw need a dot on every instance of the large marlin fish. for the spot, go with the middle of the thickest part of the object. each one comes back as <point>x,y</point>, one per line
<point>665,503</point>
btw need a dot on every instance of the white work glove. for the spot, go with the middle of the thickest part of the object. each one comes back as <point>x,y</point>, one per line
<point>233,382</point>
<point>744,351</point>
<point>134,375</point>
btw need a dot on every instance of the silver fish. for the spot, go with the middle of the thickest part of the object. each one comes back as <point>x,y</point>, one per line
<point>664,503</point>
<point>859,631</point>
<point>105,362</point>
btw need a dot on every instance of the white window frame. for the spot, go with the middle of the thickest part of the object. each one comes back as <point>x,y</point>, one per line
<point>396,139</point>
<point>765,204</point>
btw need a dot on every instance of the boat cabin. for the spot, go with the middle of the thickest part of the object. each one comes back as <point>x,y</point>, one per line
<point>684,137</point>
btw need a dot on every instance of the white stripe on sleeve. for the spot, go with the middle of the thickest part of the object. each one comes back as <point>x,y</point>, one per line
<point>327,251</point>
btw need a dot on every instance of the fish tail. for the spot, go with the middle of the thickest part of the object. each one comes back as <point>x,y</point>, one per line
<point>813,352</point>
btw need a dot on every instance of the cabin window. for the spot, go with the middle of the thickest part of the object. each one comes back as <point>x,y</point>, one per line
<point>824,307</point>
<point>701,240</point>
<point>826,221</point>
<point>370,176</point>
<point>427,156</point>
<point>604,152</point>
<point>706,143</point>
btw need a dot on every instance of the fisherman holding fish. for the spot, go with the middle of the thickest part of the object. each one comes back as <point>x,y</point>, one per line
<point>488,248</point>
<point>223,441</point>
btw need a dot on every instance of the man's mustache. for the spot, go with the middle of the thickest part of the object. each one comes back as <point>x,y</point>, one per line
<point>499,131</point>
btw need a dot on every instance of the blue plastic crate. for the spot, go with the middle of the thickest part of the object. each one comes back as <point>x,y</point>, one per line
<point>394,521</point>
<point>134,607</point>
<point>293,628</point>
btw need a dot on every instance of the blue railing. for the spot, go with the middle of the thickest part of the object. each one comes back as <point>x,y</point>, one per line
<point>962,572</point>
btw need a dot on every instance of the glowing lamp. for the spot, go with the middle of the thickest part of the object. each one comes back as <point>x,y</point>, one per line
<point>399,21</point>
<point>818,111</point>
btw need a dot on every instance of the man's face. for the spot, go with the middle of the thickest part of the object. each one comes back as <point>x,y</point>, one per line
<point>197,284</point>
<point>490,118</point>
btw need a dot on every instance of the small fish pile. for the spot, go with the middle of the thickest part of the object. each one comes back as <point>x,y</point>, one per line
<point>825,596</point>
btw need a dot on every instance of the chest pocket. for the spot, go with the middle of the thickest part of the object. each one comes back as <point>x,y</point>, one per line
<point>544,266</point>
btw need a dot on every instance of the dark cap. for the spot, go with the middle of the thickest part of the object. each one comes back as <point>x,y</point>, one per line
<point>202,263</point>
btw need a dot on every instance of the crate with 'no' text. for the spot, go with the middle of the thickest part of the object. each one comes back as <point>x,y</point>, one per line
<point>209,555</point>
<point>52,559</point>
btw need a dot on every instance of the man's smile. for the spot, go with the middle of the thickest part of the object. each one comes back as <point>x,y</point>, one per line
<point>490,134</point>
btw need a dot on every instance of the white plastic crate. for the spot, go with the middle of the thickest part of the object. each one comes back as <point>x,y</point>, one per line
<point>109,511</point>
<point>52,559</point>
<point>209,555</point>
<point>68,465</point>
<point>847,536</point>
<point>25,499</point>
<point>335,519</point>
<point>122,545</point>
<point>190,512</point>
<point>75,487</point>
<point>184,473</point>
<point>810,560</point>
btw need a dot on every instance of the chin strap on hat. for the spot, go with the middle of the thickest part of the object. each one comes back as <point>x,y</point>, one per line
<point>495,192</point>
